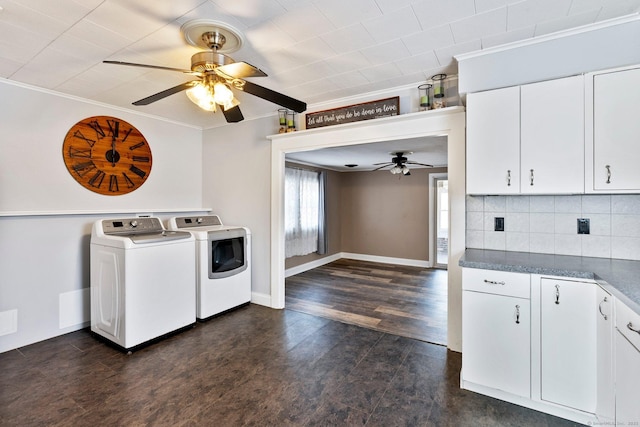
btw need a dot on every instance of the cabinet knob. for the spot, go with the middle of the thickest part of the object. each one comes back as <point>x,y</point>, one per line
<point>493,282</point>
<point>531,177</point>
<point>557,294</point>
<point>517,314</point>
<point>608,174</point>
<point>509,178</point>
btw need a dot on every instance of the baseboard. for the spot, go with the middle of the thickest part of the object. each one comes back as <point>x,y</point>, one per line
<point>261,299</point>
<point>387,260</point>
<point>311,265</point>
<point>358,257</point>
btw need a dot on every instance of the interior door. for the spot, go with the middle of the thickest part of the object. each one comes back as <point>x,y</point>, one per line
<point>441,229</point>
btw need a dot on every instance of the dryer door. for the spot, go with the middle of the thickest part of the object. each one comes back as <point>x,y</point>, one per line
<point>228,254</point>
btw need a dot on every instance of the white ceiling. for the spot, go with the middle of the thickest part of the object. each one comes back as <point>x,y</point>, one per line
<point>428,150</point>
<point>312,50</point>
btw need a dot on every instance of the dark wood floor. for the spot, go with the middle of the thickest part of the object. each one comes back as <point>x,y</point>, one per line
<point>406,301</point>
<point>251,367</point>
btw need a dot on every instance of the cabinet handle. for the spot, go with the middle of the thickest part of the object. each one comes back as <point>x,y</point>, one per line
<point>493,282</point>
<point>531,178</point>
<point>600,308</point>
<point>557,294</point>
<point>608,174</point>
<point>517,314</point>
<point>509,178</point>
<point>630,327</point>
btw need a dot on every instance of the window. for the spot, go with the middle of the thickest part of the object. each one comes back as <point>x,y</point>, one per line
<point>304,212</point>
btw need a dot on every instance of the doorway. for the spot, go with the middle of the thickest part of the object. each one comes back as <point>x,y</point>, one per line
<point>448,122</point>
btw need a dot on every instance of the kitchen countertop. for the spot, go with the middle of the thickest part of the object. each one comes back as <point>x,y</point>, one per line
<point>618,276</point>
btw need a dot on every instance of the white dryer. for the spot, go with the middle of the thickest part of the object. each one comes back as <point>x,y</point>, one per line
<point>141,280</point>
<point>223,254</point>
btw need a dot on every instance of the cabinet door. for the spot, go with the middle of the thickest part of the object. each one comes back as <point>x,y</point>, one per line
<point>552,136</point>
<point>568,343</point>
<point>493,142</point>
<point>605,406</point>
<point>496,342</point>
<point>616,130</point>
<point>627,380</point>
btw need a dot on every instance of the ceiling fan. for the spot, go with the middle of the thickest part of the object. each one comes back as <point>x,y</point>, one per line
<point>217,73</point>
<point>399,163</point>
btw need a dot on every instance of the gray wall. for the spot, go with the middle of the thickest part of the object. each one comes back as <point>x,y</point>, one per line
<point>377,213</point>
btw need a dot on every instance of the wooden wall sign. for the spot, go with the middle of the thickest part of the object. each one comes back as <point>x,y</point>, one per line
<point>354,113</point>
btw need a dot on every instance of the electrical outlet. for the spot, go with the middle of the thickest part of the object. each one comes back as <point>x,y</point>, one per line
<point>583,225</point>
<point>498,223</point>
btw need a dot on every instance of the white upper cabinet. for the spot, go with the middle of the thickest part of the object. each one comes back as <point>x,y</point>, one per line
<point>552,136</point>
<point>493,142</point>
<point>527,139</point>
<point>615,132</point>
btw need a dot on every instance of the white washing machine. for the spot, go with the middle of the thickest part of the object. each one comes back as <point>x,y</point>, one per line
<point>223,254</point>
<point>141,280</point>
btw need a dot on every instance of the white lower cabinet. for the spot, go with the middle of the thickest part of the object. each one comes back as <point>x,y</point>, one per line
<point>568,343</point>
<point>545,343</point>
<point>499,360</point>
<point>496,330</point>
<point>627,366</point>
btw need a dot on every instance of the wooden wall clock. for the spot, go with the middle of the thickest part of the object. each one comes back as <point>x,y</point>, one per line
<point>107,155</point>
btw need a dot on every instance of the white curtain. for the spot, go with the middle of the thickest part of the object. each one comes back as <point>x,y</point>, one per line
<point>302,211</point>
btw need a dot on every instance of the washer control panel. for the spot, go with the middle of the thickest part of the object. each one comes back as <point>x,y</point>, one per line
<point>132,225</point>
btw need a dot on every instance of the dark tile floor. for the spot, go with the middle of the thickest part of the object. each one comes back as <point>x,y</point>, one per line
<point>254,366</point>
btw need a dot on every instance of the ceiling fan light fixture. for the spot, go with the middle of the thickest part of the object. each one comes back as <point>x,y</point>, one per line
<point>201,95</point>
<point>222,95</point>
<point>206,95</point>
<point>405,170</point>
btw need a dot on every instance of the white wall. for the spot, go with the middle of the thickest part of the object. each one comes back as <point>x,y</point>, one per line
<point>46,216</point>
<point>595,47</point>
<point>236,169</point>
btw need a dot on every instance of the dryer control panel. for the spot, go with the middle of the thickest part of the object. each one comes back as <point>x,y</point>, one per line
<point>198,221</point>
<point>132,225</point>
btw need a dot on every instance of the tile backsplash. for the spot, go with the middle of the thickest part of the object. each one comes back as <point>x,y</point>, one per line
<point>549,224</point>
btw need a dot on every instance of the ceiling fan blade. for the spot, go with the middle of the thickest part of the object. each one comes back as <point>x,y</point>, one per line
<point>275,97</point>
<point>382,167</point>
<point>383,163</point>
<point>421,164</point>
<point>155,67</point>
<point>160,95</point>
<point>233,115</point>
<point>239,70</point>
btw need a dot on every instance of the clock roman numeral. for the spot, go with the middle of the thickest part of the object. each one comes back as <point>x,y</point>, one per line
<point>138,145</point>
<point>83,168</point>
<point>126,135</point>
<point>140,159</point>
<point>96,126</point>
<point>130,183</point>
<point>96,180</point>
<point>113,183</point>
<point>79,135</point>
<point>79,152</point>
<point>114,127</point>
<point>137,171</point>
